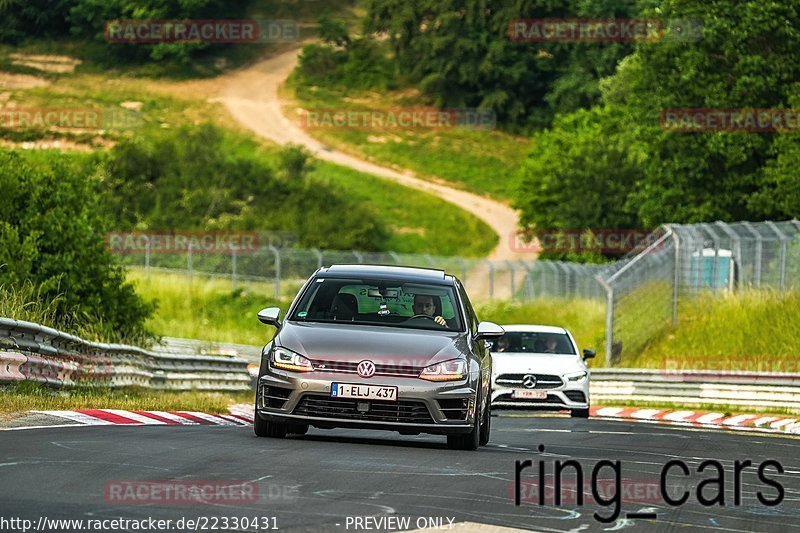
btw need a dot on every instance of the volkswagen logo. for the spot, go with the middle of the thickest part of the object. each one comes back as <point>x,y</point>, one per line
<point>366,369</point>
<point>528,381</point>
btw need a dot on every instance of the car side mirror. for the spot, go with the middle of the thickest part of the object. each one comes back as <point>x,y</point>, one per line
<point>489,330</point>
<point>588,354</point>
<point>270,316</point>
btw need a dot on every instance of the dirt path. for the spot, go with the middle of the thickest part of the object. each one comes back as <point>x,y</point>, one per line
<point>251,96</point>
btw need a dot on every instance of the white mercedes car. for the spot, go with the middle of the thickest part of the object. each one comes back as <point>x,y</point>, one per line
<point>538,367</point>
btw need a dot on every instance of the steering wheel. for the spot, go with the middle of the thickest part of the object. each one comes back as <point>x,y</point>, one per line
<point>422,316</point>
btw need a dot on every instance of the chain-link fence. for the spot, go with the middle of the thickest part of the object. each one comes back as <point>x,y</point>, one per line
<point>288,267</point>
<point>641,291</point>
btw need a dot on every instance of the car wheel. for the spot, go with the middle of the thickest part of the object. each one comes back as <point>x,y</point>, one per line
<point>487,424</point>
<point>468,441</point>
<point>265,428</point>
<point>580,413</point>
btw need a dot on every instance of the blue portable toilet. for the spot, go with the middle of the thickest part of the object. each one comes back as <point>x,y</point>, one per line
<point>701,273</point>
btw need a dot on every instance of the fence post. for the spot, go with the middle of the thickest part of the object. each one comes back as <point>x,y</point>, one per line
<point>784,240</point>
<point>233,269</point>
<point>528,280</point>
<point>359,257</point>
<point>609,318</point>
<point>430,260</point>
<point>715,238</point>
<point>277,254</point>
<point>513,274</point>
<point>463,269</point>
<point>676,282</point>
<point>318,255</point>
<point>396,258</point>
<point>189,262</point>
<point>757,262</point>
<point>147,257</point>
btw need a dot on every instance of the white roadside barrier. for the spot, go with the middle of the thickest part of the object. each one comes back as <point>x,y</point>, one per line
<point>31,352</point>
<point>743,389</point>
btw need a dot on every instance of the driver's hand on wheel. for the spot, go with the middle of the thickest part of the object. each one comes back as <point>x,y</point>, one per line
<point>439,320</point>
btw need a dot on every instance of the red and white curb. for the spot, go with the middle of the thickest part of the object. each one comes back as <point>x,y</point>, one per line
<point>107,417</point>
<point>702,419</point>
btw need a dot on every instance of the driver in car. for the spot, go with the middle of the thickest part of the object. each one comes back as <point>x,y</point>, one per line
<point>424,305</point>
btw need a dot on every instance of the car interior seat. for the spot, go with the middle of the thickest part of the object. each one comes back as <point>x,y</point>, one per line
<point>345,307</point>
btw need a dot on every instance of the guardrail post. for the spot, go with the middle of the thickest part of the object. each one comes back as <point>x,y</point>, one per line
<point>277,254</point>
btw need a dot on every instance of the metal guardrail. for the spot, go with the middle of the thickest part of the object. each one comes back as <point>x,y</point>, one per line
<point>32,352</point>
<point>742,389</point>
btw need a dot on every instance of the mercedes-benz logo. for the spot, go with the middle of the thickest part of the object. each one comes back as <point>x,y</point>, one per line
<point>366,369</point>
<point>529,381</point>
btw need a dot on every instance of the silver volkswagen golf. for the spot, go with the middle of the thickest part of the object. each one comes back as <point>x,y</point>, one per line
<point>378,347</point>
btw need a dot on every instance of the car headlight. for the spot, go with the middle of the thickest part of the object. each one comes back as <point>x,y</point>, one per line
<point>576,377</point>
<point>451,370</point>
<point>288,360</point>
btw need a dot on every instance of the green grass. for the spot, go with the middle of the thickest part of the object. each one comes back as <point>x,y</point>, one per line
<point>753,330</point>
<point>209,309</point>
<point>27,396</point>
<point>419,222</point>
<point>483,161</point>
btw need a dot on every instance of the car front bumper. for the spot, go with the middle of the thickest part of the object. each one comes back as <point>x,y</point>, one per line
<point>442,408</point>
<point>568,396</point>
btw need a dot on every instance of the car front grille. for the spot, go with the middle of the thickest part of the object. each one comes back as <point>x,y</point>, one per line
<point>273,397</point>
<point>575,396</point>
<point>543,381</point>
<point>381,369</point>
<point>403,411</point>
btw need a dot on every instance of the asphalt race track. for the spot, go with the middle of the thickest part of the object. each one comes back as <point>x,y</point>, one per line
<point>326,480</point>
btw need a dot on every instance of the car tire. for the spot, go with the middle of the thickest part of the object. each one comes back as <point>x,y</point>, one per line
<point>580,413</point>
<point>487,424</point>
<point>468,441</point>
<point>265,428</point>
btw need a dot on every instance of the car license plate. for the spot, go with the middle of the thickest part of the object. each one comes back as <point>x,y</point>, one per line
<point>363,392</point>
<point>529,394</point>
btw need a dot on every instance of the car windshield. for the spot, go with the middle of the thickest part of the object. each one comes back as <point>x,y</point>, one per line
<point>383,302</point>
<point>533,342</point>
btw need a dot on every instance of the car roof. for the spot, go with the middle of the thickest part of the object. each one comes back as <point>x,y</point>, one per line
<point>399,273</point>
<point>534,328</point>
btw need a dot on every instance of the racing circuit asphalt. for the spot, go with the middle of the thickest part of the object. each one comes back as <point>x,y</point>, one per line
<point>314,482</point>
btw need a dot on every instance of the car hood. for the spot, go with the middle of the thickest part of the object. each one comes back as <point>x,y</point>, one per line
<point>515,363</point>
<point>380,344</point>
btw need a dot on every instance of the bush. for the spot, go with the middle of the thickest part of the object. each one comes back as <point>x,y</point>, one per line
<point>199,178</point>
<point>51,237</point>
